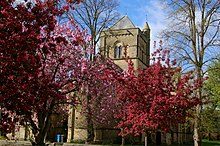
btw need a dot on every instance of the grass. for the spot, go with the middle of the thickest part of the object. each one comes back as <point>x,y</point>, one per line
<point>2,138</point>
<point>78,141</point>
<point>210,143</point>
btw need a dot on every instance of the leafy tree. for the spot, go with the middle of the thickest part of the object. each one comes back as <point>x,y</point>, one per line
<point>98,103</point>
<point>193,37</point>
<point>38,59</point>
<point>41,62</point>
<point>210,113</point>
<point>212,85</point>
<point>18,59</point>
<point>154,98</point>
<point>210,122</point>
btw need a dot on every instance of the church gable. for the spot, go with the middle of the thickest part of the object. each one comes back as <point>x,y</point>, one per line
<point>125,38</point>
<point>123,23</point>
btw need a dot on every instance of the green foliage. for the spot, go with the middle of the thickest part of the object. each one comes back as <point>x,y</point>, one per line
<point>211,112</point>
<point>212,86</point>
<point>78,141</point>
<point>211,136</point>
<point>210,120</point>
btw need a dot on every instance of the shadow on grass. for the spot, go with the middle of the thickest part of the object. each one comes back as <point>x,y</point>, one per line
<point>210,143</point>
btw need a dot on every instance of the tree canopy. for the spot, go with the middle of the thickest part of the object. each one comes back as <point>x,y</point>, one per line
<point>36,60</point>
<point>155,98</point>
<point>210,112</point>
<point>193,37</point>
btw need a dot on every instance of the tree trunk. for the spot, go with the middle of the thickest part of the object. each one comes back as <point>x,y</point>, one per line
<point>197,122</point>
<point>41,134</point>
<point>197,137</point>
<point>208,135</point>
<point>122,137</point>
<point>40,140</point>
<point>0,122</point>
<point>145,139</point>
<point>122,141</point>
<point>90,129</point>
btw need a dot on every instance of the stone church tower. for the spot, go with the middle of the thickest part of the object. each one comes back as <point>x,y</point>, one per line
<point>122,37</point>
<point>125,37</point>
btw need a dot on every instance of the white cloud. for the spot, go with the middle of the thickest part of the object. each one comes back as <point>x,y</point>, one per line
<point>140,11</point>
<point>156,18</point>
<point>22,1</point>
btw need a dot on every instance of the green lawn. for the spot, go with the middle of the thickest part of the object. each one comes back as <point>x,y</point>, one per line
<point>210,143</point>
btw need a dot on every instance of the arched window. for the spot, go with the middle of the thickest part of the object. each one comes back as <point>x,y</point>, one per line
<point>118,51</point>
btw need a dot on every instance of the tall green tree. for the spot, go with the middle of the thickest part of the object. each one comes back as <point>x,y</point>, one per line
<point>210,122</point>
<point>212,85</point>
<point>210,113</point>
<point>193,36</point>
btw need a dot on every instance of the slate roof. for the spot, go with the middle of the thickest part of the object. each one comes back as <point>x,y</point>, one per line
<point>123,23</point>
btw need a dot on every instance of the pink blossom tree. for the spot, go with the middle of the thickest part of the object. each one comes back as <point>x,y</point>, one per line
<point>41,63</point>
<point>38,60</point>
<point>99,102</point>
<point>155,98</point>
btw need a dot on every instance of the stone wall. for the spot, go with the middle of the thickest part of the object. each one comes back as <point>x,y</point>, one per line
<point>132,39</point>
<point>14,143</point>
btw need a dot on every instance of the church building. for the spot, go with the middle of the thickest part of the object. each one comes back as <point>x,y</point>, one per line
<point>121,40</point>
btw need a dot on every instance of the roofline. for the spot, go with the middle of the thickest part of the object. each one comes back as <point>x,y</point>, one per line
<point>120,29</point>
<point>121,19</point>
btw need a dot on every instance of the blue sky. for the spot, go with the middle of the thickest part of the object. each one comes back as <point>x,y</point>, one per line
<point>140,11</point>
